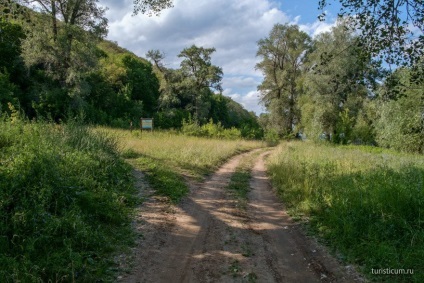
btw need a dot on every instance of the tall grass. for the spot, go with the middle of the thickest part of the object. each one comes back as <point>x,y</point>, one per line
<point>65,203</point>
<point>167,157</point>
<point>193,154</point>
<point>369,206</point>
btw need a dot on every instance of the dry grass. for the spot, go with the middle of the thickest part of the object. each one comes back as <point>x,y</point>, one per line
<point>190,154</point>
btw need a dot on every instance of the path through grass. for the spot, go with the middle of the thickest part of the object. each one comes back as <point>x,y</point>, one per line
<point>167,158</point>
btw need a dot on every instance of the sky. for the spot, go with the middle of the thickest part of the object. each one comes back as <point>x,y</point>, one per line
<point>232,27</point>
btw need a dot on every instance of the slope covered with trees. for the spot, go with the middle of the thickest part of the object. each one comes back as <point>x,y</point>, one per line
<point>57,65</point>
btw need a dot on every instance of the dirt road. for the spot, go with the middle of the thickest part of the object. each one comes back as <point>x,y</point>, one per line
<point>207,238</point>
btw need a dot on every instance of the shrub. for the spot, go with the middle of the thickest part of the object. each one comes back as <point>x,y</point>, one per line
<point>65,201</point>
<point>210,130</point>
<point>271,137</point>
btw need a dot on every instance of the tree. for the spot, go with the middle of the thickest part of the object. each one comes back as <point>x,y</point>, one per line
<point>11,36</point>
<point>143,84</point>
<point>156,56</point>
<point>69,49</point>
<point>151,7</point>
<point>392,29</point>
<point>335,89</point>
<point>283,58</point>
<point>199,77</point>
<point>400,120</point>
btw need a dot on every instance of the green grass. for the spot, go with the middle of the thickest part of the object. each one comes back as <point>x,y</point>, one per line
<point>66,198</point>
<point>162,178</point>
<point>368,204</point>
<point>167,157</point>
<point>239,184</point>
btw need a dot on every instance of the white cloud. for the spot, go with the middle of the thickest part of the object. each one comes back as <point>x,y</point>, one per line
<point>316,28</point>
<point>249,101</point>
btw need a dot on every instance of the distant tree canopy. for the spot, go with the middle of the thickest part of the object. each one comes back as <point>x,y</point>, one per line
<point>343,100</point>
<point>151,7</point>
<point>193,93</point>
<point>282,56</point>
<point>55,64</point>
<point>391,29</point>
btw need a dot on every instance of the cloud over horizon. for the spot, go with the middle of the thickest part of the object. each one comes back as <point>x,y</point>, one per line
<point>232,27</point>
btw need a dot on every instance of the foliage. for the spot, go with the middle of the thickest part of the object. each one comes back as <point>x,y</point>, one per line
<point>66,198</point>
<point>336,86</point>
<point>7,90</point>
<point>390,29</point>
<point>210,130</point>
<point>366,203</point>
<point>400,122</point>
<point>283,58</point>
<point>64,40</point>
<point>199,76</point>
<point>11,36</point>
<point>271,137</point>
<point>188,92</point>
<point>151,7</point>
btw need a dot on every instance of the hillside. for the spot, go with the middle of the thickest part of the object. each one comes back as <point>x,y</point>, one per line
<point>63,71</point>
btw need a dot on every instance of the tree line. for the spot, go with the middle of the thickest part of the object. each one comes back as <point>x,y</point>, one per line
<point>56,64</point>
<point>327,88</point>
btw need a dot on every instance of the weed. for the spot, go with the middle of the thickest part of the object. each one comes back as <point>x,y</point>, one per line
<point>247,250</point>
<point>191,155</point>
<point>367,204</point>
<point>239,183</point>
<point>251,277</point>
<point>235,269</point>
<point>65,203</point>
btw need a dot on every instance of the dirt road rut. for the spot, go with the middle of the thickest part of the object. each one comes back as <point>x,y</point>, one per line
<point>207,238</point>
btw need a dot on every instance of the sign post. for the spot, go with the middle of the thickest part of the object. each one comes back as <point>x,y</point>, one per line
<point>146,124</point>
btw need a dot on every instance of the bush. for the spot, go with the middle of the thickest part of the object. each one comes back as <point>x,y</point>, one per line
<point>65,202</point>
<point>210,130</point>
<point>271,137</point>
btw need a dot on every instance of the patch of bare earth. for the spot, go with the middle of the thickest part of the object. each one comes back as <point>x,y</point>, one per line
<point>207,238</point>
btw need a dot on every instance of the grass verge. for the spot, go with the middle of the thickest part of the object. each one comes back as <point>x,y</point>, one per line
<point>368,205</point>
<point>66,199</point>
<point>162,178</point>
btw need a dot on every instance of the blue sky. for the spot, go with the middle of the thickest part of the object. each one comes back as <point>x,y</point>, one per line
<point>232,27</point>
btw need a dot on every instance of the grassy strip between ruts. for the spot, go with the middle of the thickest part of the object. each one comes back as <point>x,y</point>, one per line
<point>165,157</point>
<point>66,198</point>
<point>368,206</point>
<point>239,184</point>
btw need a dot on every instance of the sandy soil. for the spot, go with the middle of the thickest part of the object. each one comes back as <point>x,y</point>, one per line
<point>207,238</point>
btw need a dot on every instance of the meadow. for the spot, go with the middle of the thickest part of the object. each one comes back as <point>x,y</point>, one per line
<point>168,158</point>
<point>366,203</point>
